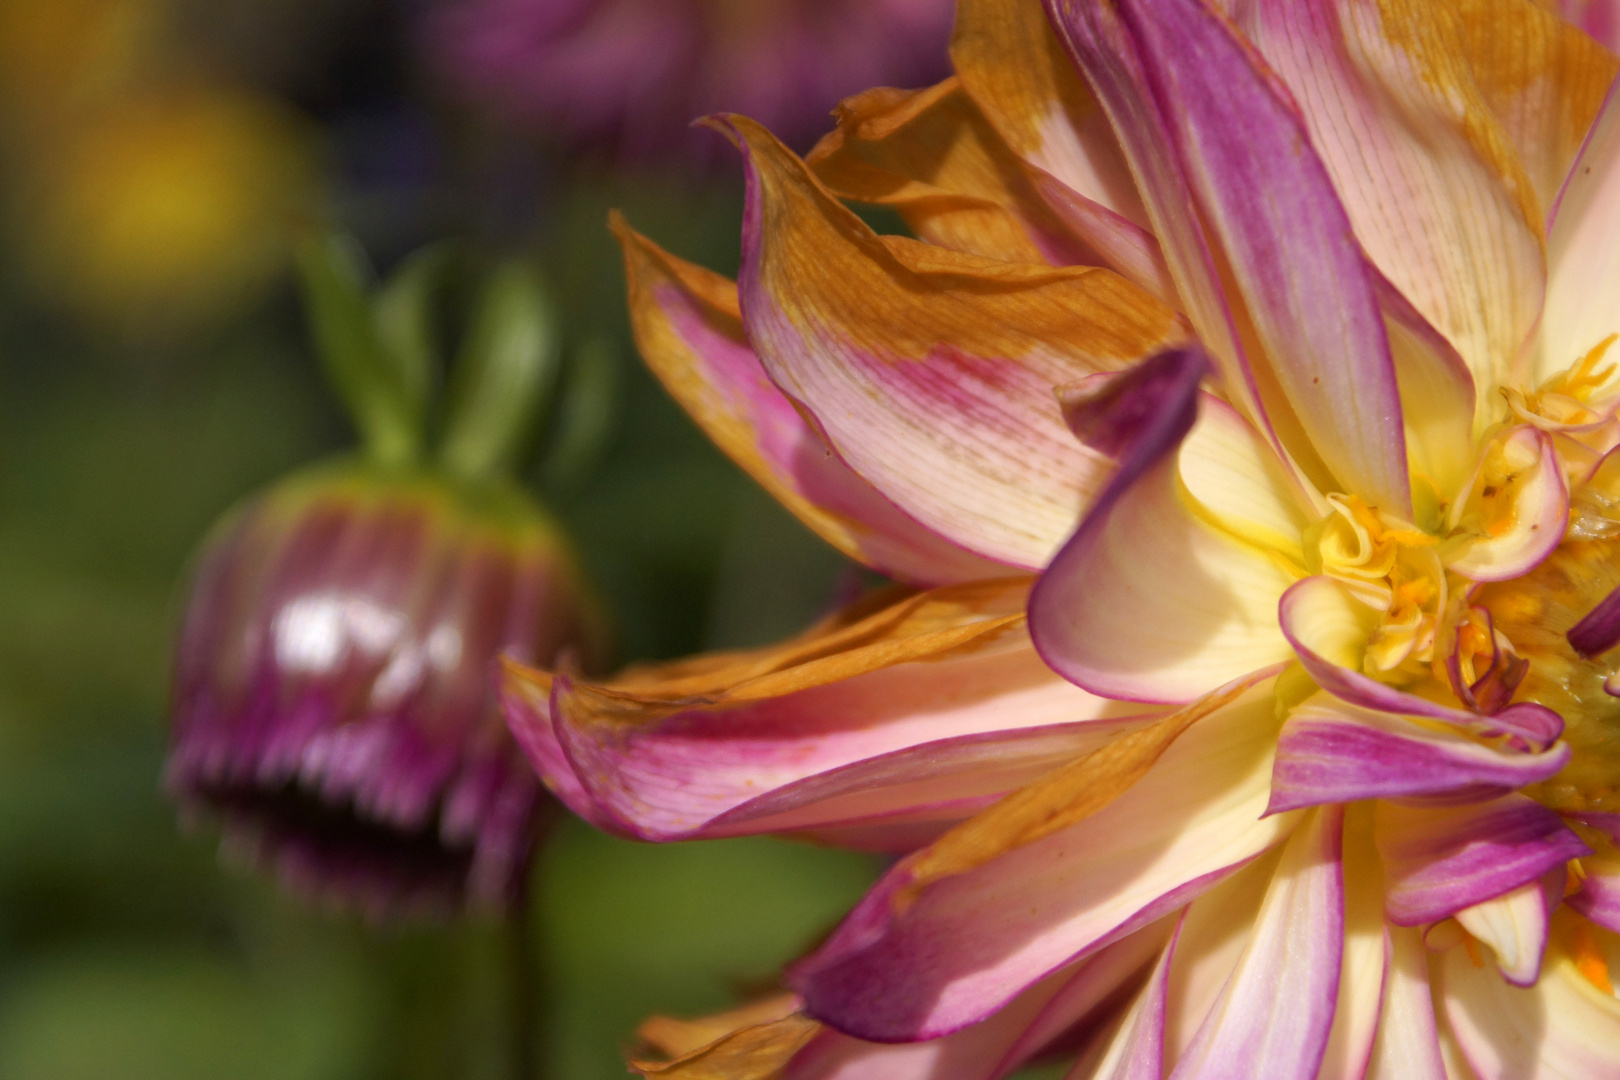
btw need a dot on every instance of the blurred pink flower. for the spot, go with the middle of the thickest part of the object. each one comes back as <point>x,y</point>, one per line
<point>631,74</point>
<point>332,702</point>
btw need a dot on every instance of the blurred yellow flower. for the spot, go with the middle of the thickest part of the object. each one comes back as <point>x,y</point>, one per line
<point>167,208</point>
<point>142,198</point>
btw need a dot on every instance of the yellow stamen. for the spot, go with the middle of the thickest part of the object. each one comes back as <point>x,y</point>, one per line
<point>1577,874</point>
<point>1587,377</point>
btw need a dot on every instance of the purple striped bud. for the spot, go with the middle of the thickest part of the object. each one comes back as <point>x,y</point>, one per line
<point>333,698</point>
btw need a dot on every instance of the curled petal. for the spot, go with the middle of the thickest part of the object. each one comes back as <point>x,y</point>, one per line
<point>923,954</point>
<point>1330,751</point>
<point>1599,629</point>
<point>1293,956</point>
<point>1562,1028</point>
<point>1514,925</point>
<point>932,156</point>
<point>1442,860</point>
<point>689,329</point>
<point>1329,628</point>
<point>1525,521</point>
<point>930,371</point>
<point>752,1043</point>
<point>1148,601</point>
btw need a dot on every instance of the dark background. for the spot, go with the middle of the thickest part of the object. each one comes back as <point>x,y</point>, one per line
<point>150,376</point>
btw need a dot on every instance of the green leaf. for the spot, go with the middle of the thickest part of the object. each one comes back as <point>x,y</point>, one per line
<point>503,375</point>
<point>337,281</point>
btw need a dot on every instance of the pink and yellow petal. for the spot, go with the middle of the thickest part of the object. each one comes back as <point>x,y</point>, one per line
<point>930,371</point>
<point>804,736</point>
<point>1233,474</point>
<point>1439,861</point>
<point>1364,969</point>
<point>689,329</point>
<point>1433,185</point>
<point>1219,129</point>
<point>987,1051</point>
<point>1148,600</point>
<point>913,962</point>
<point>1136,1049</point>
<point>1102,47</point>
<point>1438,400</point>
<point>1330,751</point>
<point>1407,1046</point>
<point>1294,955</point>
<point>1160,605</point>
<point>1013,67</point>
<point>1299,272</point>
<point>1543,78</point>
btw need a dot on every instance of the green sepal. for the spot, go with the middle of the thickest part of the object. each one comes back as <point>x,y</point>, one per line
<point>402,313</point>
<point>503,375</point>
<point>384,402</point>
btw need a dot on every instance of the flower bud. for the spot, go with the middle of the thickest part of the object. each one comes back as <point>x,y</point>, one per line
<point>333,699</point>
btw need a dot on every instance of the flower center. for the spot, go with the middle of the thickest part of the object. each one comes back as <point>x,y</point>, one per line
<point>1392,567</point>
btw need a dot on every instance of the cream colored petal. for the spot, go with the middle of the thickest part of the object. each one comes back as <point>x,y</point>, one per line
<point>1583,289</point>
<point>1232,472</point>
<point>1162,605</point>
<point>1563,1028</point>
<point>1514,925</point>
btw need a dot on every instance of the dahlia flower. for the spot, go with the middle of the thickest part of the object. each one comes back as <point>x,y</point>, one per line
<point>332,702</point>
<point>1275,338</point>
<point>633,73</point>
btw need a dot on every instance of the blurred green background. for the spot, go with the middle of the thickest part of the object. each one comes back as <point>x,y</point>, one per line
<point>154,370</point>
